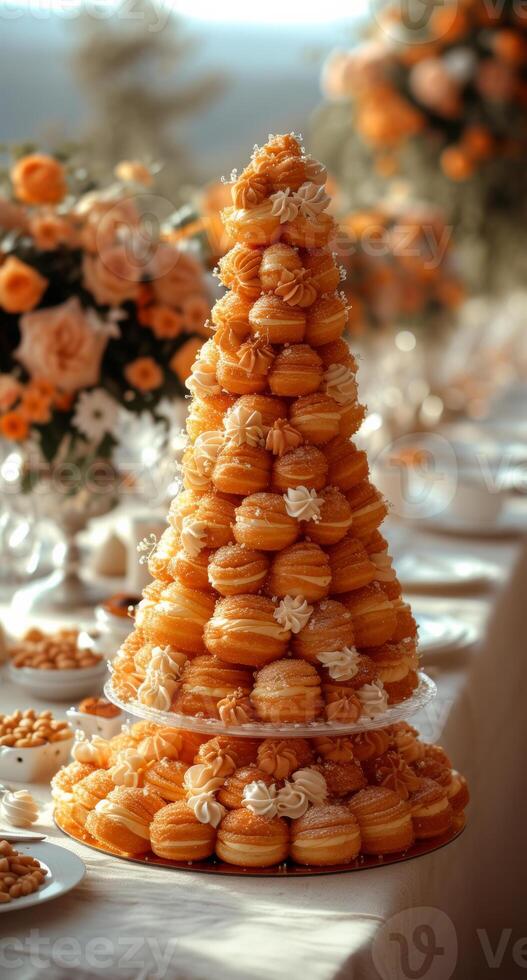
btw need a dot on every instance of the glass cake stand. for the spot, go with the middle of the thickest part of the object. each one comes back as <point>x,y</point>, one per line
<point>422,695</point>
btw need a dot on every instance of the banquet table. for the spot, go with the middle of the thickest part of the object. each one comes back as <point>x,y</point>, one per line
<point>457,912</point>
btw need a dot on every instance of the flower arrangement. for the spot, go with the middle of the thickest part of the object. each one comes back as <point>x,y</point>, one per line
<point>401,268</point>
<point>100,317</point>
<point>441,100</point>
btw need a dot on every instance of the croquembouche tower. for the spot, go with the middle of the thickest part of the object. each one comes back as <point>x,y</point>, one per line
<point>273,656</point>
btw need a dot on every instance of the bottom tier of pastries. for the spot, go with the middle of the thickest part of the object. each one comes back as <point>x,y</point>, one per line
<point>256,803</point>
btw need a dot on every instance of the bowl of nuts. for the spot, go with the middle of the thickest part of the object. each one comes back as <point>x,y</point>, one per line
<point>33,745</point>
<point>60,666</point>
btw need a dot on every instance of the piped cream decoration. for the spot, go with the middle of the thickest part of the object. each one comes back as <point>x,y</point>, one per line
<point>200,779</point>
<point>206,808</point>
<point>166,660</point>
<point>129,769</point>
<point>316,172</point>
<point>254,357</point>
<point>235,709</point>
<point>341,665</point>
<point>292,801</point>
<point>296,287</point>
<point>312,783</point>
<point>373,698</point>
<point>94,751</point>
<point>218,760</point>
<point>166,743</point>
<point>293,613</point>
<point>157,690</point>
<point>311,199</point>
<point>303,504</point>
<point>203,381</point>
<point>276,758</point>
<point>244,426</point>
<point>285,205</point>
<point>193,536</point>
<point>340,383</point>
<point>19,808</point>
<point>282,437</point>
<point>206,450</point>
<point>260,799</point>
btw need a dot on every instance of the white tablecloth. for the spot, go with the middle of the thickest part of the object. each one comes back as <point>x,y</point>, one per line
<point>127,921</point>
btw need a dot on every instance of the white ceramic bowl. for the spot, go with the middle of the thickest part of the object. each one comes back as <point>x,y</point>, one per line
<point>34,764</point>
<point>59,685</point>
<point>94,724</point>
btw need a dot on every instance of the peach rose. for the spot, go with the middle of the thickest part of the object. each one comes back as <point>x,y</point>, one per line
<point>175,275</point>
<point>50,230</point>
<point>38,179</point>
<point>21,286</point>
<point>104,220</point>
<point>112,277</point>
<point>133,171</point>
<point>60,344</point>
<point>10,390</point>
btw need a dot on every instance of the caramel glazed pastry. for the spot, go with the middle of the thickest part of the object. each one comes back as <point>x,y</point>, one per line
<point>323,801</point>
<point>273,596</point>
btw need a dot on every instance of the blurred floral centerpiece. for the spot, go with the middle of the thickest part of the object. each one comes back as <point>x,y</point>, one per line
<point>401,269</point>
<point>100,321</point>
<point>438,94</point>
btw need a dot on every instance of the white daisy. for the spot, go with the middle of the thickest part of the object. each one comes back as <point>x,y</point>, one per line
<point>95,414</point>
<point>141,441</point>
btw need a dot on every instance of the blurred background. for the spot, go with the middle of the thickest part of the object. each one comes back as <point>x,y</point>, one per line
<point>417,110</point>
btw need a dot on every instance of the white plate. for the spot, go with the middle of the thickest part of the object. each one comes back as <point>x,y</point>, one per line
<point>443,634</point>
<point>508,524</point>
<point>422,570</point>
<point>59,685</point>
<point>65,871</point>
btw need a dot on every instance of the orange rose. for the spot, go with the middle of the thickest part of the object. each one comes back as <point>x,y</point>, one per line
<point>14,426</point>
<point>21,286</point>
<point>164,322</point>
<point>111,278</point>
<point>175,275</point>
<point>456,163</point>
<point>144,374</point>
<point>50,230</point>
<point>34,406</point>
<point>133,171</point>
<point>38,179</point>
<point>60,344</point>
<point>10,389</point>
<point>184,358</point>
